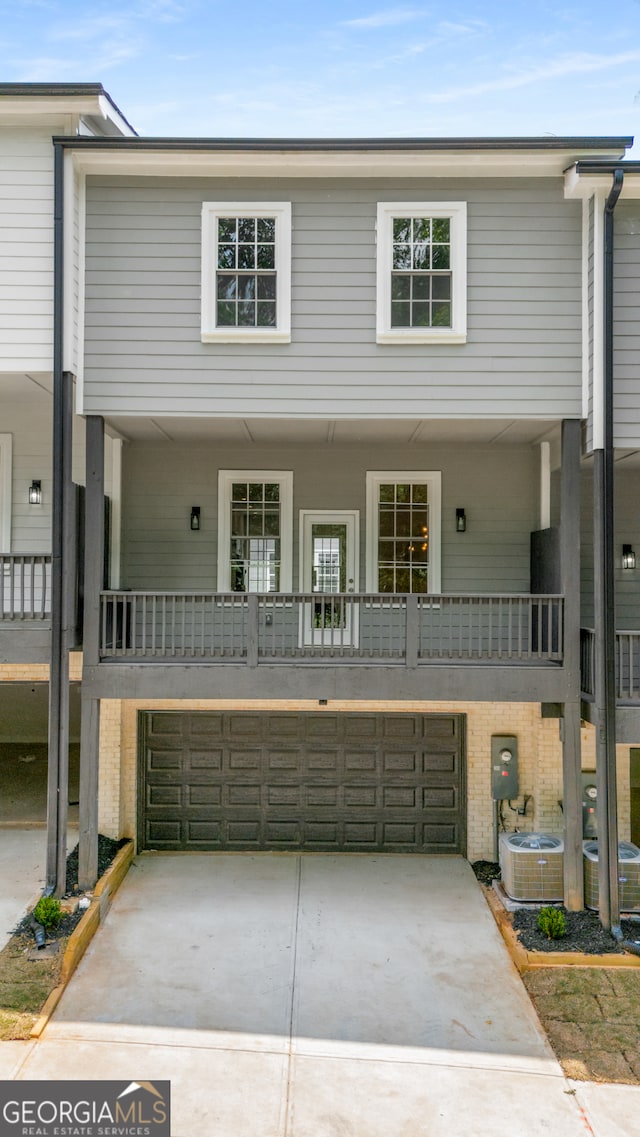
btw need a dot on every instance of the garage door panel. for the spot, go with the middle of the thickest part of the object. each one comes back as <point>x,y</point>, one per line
<point>164,795</point>
<point>204,759</point>
<point>327,796</point>
<point>347,789</point>
<point>283,759</point>
<point>165,760</point>
<point>166,722</point>
<point>325,761</point>
<point>358,761</point>
<point>400,728</point>
<point>439,797</point>
<point>204,794</point>
<point>206,724</point>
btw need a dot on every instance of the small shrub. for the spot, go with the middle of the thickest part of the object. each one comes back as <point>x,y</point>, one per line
<point>551,923</point>
<point>48,912</point>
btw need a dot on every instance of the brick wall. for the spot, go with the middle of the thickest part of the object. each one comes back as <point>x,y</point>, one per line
<point>539,745</point>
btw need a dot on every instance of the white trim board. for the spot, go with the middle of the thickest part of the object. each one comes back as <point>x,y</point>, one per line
<point>6,467</point>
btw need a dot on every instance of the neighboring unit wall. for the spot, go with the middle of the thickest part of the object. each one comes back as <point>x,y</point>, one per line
<point>497,487</point>
<point>627,531</point>
<point>143,349</point>
<point>26,248</point>
<point>627,325</point>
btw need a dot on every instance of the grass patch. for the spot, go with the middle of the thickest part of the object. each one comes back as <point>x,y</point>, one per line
<point>25,985</point>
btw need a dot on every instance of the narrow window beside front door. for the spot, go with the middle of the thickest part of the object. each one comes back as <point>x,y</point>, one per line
<point>403,537</point>
<point>255,537</point>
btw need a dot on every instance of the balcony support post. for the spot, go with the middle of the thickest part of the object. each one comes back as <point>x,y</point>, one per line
<point>570,570</point>
<point>93,584</point>
<point>252,629</point>
<point>412,631</point>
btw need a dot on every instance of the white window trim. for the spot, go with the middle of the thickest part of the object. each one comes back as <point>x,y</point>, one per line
<point>6,465</point>
<point>431,478</point>
<point>285,481</point>
<point>457,212</point>
<point>211,211</point>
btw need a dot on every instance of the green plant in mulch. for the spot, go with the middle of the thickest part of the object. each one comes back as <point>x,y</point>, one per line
<point>551,923</point>
<point>48,912</point>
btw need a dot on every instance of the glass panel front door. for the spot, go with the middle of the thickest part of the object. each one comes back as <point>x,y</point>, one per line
<point>329,569</point>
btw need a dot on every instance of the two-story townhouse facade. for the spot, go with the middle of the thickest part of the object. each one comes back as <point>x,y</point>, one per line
<point>30,114</point>
<point>348,381</point>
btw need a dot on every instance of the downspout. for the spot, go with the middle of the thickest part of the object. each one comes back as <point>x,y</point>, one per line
<point>609,896</point>
<point>56,808</point>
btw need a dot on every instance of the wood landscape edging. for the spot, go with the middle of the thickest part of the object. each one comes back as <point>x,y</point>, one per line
<point>532,960</point>
<point>81,937</point>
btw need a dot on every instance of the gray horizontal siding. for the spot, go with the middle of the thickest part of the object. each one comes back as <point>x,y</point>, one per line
<point>626,322</point>
<point>163,480</point>
<point>627,531</point>
<point>143,349</point>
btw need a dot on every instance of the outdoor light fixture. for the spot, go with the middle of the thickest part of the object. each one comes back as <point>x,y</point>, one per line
<point>35,492</point>
<point>628,557</point>
<point>461,521</point>
<point>195,516</point>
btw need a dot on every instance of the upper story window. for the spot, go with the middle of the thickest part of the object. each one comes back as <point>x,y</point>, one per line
<point>246,272</point>
<point>421,293</point>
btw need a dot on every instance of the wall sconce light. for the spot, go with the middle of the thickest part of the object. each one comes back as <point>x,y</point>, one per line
<point>628,557</point>
<point>35,492</point>
<point>195,516</point>
<point>461,521</point>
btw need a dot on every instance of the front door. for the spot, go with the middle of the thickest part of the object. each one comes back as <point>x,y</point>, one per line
<point>329,567</point>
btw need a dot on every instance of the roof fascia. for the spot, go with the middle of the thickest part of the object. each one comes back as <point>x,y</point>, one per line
<point>581,183</point>
<point>345,158</point>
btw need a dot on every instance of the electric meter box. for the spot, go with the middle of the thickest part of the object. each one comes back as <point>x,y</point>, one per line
<point>504,767</point>
<point>589,805</point>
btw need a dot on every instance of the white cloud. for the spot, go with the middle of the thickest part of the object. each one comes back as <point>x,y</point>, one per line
<point>572,64</point>
<point>385,19</point>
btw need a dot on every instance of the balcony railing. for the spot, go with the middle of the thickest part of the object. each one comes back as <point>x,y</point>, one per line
<point>25,587</point>
<point>349,628</point>
<point>627,665</point>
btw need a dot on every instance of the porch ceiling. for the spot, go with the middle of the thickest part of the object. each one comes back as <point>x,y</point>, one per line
<point>481,432</point>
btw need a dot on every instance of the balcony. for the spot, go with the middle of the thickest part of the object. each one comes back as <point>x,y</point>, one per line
<point>25,587</point>
<point>627,666</point>
<point>25,608</point>
<point>307,629</point>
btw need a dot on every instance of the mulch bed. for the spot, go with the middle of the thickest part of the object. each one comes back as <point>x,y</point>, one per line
<point>28,977</point>
<point>584,931</point>
<point>107,849</point>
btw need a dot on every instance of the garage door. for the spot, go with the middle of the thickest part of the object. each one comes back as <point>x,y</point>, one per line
<point>329,782</point>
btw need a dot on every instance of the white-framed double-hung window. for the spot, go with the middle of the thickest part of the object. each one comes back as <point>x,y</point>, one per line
<point>255,511</point>
<point>403,528</point>
<point>421,272</point>
<point>246,272</point>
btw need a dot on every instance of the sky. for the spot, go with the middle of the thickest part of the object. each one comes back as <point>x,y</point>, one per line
<point>350,68</point>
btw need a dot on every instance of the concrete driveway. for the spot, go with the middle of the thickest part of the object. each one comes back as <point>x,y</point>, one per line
<point>311,996</point>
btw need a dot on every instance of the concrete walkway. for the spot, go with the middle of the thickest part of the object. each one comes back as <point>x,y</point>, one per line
<point>313,996</point>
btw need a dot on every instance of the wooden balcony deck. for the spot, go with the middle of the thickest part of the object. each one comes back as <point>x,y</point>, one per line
<point>312,628</point>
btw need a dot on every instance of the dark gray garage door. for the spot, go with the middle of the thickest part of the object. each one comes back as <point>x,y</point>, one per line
<point>332,782</point>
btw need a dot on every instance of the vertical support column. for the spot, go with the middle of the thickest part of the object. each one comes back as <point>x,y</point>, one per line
<point>93,583</point>
<point>570,570</point>
<point>62,620</point>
